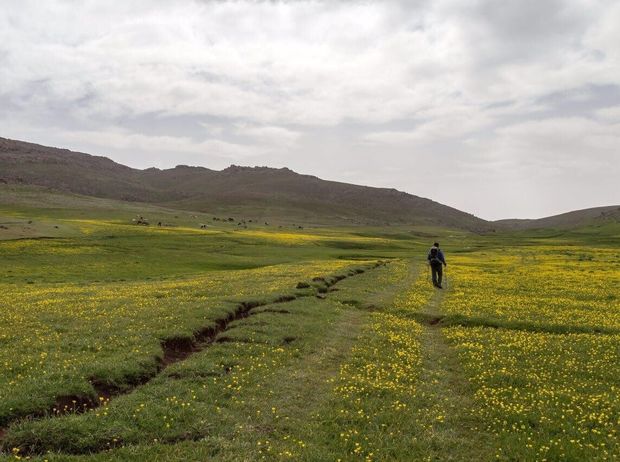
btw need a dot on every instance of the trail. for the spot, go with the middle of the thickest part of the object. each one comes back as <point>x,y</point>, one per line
<point>447,430</point>
<point>302,389</point>
<point>303,392</point>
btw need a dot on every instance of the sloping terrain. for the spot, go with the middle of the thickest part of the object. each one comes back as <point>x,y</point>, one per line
<point>574,219</point>
<point>260,192</point>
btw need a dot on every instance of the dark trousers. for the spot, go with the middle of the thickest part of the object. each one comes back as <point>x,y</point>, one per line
<point>437,271</point>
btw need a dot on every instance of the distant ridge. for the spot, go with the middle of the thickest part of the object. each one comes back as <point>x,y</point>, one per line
<point>259,192</point>
<point>574,219</point>
<point>252,191</point>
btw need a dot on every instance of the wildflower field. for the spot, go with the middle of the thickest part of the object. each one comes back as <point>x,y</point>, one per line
<point>121,342</point>
<point>546,378</point>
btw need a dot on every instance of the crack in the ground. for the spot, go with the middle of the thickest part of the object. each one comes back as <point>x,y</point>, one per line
<point>435,320</point>
<point>443,320</point>
<point>176,349</point>
<point>270,310</point>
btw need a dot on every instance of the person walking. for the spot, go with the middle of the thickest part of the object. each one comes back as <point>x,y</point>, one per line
<point>437,261</point>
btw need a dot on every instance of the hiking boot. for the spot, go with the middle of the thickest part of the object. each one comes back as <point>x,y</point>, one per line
<point>439,286</point>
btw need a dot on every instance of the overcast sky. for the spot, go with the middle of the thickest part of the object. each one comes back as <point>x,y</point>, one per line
<point>503,109</point>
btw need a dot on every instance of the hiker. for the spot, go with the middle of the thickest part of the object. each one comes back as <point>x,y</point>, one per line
<point>436,260</point>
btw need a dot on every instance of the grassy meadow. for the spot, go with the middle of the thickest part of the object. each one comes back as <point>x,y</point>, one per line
<point>242,341</point>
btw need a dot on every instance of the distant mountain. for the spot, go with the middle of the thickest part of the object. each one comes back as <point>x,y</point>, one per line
<point>574,219</point>
<point>259,192</point>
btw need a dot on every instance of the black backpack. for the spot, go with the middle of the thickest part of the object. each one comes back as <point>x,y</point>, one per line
<point>434,255</point>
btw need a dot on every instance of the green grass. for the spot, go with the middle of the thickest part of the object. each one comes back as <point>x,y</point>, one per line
<point>544,396</point>
<point>339,359</point>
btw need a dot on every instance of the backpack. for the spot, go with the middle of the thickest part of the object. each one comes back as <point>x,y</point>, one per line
<point>434,253</point>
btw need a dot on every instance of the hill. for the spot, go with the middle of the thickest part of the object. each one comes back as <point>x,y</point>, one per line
<point>569,220</point>
<point>259,192</point>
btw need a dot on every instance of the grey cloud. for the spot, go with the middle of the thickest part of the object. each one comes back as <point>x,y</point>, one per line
<point>581,100</point>
<point>471,103</point>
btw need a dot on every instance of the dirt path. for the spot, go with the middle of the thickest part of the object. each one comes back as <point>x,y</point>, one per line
<point>304,388</point>
<point>447,429</point>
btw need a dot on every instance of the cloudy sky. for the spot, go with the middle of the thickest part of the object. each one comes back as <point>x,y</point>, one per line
<point>500,108</point>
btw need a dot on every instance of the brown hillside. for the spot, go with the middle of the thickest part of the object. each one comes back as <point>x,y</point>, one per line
<point>257,191</point>
<point>574,219</point>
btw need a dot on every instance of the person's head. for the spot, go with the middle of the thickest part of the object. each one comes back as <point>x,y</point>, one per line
<point>436,244</point>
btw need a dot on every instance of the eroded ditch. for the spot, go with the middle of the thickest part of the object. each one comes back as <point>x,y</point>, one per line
<point>176,349</point>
